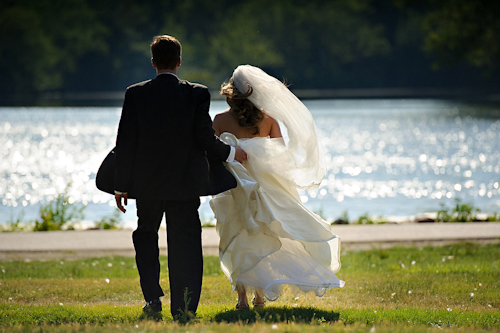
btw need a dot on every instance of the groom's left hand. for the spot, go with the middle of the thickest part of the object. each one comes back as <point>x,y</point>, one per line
<point>118,199</point>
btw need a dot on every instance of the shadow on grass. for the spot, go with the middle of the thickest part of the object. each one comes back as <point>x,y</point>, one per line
<point>155,316</point>
<point>277,315</point>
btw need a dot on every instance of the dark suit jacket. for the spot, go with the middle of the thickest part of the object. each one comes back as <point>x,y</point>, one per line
<point>164,136</point>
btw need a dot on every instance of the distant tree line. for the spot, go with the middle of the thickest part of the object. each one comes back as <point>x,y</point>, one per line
<point>96,45</point>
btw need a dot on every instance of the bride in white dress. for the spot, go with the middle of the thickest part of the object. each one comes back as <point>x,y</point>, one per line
<point>268,238</point>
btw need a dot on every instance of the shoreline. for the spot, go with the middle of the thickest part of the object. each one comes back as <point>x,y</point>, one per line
<point>425,218</point>
<point>96,243</point>
<point>115,98</point>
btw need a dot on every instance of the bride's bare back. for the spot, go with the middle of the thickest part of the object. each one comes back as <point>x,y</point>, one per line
<point>227,122</point>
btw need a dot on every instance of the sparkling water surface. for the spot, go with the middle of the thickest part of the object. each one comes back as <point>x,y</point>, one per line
<point>395,158</point>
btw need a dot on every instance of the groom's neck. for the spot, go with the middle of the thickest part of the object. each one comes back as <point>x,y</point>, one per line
<point>161,71</point>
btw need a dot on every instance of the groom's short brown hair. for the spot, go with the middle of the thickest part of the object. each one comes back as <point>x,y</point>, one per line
<point>166,52</point>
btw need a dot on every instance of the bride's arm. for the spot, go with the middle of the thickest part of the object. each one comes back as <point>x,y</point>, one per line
<point>216,124</point>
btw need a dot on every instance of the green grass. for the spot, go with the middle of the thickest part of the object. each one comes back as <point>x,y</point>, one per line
<point>454,287</point>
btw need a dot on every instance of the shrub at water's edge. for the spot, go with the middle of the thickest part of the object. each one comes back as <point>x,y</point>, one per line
<point>59,214</point>
<point>111,221</point>
<point>461,212</point>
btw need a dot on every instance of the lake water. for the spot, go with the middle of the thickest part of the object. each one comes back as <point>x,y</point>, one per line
<point>385,157</point>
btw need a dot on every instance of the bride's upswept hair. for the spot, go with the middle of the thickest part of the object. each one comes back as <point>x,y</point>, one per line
<point>248,115</point>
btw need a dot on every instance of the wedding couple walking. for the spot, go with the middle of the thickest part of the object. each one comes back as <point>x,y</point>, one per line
<point>251,159</point>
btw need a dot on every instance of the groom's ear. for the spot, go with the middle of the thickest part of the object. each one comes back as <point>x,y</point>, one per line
<point>179,63</point>
<point>153,63</point>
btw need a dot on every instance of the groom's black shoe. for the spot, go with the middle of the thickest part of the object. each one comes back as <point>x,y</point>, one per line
<point>152,307</point>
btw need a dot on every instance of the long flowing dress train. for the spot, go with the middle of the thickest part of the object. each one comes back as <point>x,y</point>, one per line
<point>268,238</point>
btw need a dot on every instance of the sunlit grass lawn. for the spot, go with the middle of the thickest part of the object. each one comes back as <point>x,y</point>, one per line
<point>393,290</point>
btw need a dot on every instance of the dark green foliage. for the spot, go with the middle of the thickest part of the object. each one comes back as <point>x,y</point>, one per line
<point>59,213</point>
<point>186,316</point>
<point>42,40</point>
<point>343,219</point>
<point>495,217</point>
<point>111,221</point>
<point>366,219</point>
<point>442,214</point>
<point>15,224</point>
<point>458,30</point>
<point>462,212</point>
<point>92,45</point>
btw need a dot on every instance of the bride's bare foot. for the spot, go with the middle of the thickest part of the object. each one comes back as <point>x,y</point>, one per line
<point>259,300</point>
<point>242,306</point>
<point>242,298</point>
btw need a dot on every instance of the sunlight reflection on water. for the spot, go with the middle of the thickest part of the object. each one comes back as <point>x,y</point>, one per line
<point>385,157</point>
<point>412,153</point>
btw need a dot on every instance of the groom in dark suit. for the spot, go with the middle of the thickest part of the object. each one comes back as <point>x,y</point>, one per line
<point>164,137</point>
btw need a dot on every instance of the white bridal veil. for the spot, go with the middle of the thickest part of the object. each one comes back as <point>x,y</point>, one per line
<point>306,163</point>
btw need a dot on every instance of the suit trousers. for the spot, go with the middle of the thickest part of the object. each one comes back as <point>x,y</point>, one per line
<point>185,259</point>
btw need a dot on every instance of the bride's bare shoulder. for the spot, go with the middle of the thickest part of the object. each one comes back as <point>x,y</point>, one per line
<point>223,121</point>
<point>223,114</point>
<point>271,127</point>
<point>268,119</point>
<point>223,117</point>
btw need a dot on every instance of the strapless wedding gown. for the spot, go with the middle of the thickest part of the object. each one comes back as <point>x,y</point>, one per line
<point>268,238</point>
